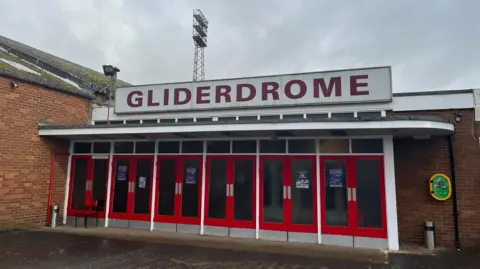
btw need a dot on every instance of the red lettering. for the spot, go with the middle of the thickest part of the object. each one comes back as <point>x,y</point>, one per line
<point>334,82</point>
<point>135,102</point>
<point>150,101</point>
<point>355,84</point>
<point>251,92</point>
<point>176,96</point>
<point>273,90</point>
<point>201,93</point>
<point>226,93</point>
<point>300,94</point>
<point>165,96</point>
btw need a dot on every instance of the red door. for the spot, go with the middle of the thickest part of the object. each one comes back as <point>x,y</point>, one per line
<point>353,196</point>
<point>131,187</point>
<point>178,191</point>
<point>88,180</point>
<point>288,193</point>
<point>230,191</point>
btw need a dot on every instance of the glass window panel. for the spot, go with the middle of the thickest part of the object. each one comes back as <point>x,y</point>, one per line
<point>99,181</point>
<point>334,146</point>
<point>242,189</point>
<point>301,146</point>
<point>169,147</point>
<point>368,193</point>
<point>123,147</point>
<point>120,192</point>
<point>82,147</point>
<point>217,188</point>
<point>244,146</point>
<point>336,193</point>
<point>145,147</point>
<point>272,191</point>
<point>79,183</point>
<point>218,146</point>
<point>190,187</point>
<point>367,146</point>
<point>192,147</point>
<point>302,191</point>
<point>101,147</point>
<point>166,197</point>
<point>142,186</point>
<point>273,146</point>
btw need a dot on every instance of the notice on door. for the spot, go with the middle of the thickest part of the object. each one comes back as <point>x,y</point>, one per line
<point>302,181</point>
<point>142,182</point>
<point>336,178</point>
<point>122,173</point>
<point>191,175</point>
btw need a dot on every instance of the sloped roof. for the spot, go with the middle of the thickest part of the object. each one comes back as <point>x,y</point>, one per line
<point>21,61</point>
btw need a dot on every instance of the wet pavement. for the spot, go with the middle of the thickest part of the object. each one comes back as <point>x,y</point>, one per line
<point>41,249</point>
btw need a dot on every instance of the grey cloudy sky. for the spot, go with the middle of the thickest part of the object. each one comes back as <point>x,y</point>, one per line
<point>430,44</point>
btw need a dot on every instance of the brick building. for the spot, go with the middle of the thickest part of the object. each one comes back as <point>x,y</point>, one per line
<point>37,87</point>
<point>330,158</point>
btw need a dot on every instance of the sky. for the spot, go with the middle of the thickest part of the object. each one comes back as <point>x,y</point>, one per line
<point>430,44</point>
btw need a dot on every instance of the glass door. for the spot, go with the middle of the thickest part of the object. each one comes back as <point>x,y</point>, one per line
<point>88,179</point>
<point>368,197</point>
<point>189,189</point>
<point>241,200</point>
<point>122,187</point>
<point>230,191</point>
<point>301,194</point>
<point>273,192</point>
<point>353,192</point>
<point>167,189</point>
<point>178,189</point>
<point>141,187</point>
<point>335,195</point>
<point>217,189</point>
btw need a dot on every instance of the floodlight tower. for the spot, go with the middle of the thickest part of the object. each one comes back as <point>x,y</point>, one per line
<point>200,26</point>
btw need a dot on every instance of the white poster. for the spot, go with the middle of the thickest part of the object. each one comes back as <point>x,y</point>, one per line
<point>142,182</point>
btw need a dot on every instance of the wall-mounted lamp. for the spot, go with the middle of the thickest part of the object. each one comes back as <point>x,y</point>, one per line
<point>13,85</point>
<point>458,116</point>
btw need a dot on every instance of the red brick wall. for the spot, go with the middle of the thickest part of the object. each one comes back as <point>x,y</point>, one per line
<point>25,157</point>
<point>416,161</point>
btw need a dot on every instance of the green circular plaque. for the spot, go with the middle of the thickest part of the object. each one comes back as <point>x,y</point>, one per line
<point>440,187</point>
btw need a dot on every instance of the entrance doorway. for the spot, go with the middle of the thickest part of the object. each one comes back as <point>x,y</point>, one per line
<point>230,195</point>
<point>88,181</point>
<point>131,191</point>
<point>288,209</point>
<point>178,193</point>
<point>353,200</point>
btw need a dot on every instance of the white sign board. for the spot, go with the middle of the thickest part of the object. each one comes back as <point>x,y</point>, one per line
<point>320,88</point>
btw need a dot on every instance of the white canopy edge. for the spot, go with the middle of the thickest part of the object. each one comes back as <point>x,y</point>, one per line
<point>245,127</point>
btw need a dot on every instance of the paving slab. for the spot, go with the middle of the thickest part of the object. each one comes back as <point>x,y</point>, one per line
<point>79,248</point>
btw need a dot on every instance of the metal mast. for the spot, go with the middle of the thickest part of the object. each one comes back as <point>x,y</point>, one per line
<point>200,26</point>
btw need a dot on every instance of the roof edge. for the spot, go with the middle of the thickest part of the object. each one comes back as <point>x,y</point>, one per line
<point>44,85</point>
<point>441,92</point>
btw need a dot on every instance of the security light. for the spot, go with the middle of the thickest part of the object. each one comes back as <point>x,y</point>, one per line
<point>110,70</point>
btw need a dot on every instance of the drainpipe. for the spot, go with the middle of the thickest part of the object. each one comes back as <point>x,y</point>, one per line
<point>50,190</point>
<point>454,192</point>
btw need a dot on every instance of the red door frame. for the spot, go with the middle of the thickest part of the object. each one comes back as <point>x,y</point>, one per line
<point>287,224</point>
<point>132,172</point>
<point>302,228</point>
<point>268,225</point>
<point>177,218</point>
<point>89,178</point>
<point>229,220</point>
<point>352,228</point>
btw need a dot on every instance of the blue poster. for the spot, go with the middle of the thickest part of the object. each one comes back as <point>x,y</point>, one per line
<point>122,173</point>
<point>191,175</point>
<point>336,178</point>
